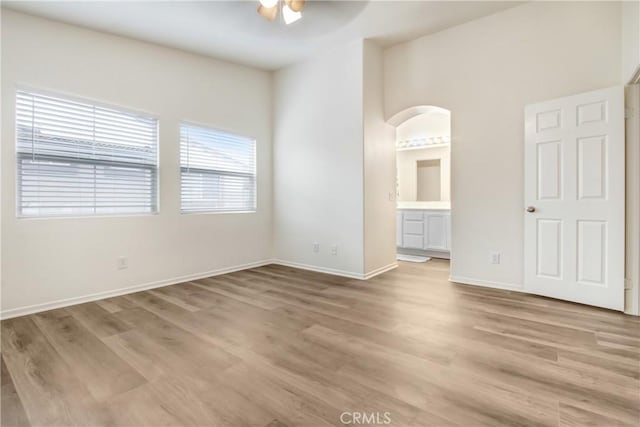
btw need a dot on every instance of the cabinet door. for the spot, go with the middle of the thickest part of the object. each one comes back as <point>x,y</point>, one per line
<point>436,231</point>
<point>399,229</point>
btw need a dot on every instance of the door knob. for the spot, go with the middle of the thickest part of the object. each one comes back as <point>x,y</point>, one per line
<point>531,209</point>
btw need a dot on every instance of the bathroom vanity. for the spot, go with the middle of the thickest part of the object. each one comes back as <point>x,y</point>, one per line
<point>424,228</point>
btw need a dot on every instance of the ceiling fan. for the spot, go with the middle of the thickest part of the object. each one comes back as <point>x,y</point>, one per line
<point>291,9</point>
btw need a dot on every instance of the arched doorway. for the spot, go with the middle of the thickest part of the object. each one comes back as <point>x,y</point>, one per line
<point>423,183</point>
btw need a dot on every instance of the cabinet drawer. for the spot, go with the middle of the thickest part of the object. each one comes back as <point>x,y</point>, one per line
<point>412,241</point>
<point>413,227</point>
<point>413,215</point>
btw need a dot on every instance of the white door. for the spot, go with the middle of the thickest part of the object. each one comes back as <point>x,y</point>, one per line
<point>574,198</point>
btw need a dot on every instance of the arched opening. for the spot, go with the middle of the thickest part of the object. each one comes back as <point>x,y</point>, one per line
<point>423,183</point>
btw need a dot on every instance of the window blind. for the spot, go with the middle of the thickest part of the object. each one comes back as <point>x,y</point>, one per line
<point>218,172</point>
<point>76,158</point>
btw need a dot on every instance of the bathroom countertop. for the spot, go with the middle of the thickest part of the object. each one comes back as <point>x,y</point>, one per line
<point>424,205</point>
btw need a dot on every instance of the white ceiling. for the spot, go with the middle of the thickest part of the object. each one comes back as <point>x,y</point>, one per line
<point>232,30</point>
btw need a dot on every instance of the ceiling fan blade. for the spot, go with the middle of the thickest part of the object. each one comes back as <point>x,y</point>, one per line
<point>268,13</point>
<point>295,5</point>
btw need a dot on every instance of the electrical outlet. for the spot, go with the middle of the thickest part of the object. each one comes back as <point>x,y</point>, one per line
<point>123,263</point>
<point>316,247</point>
<point>334,249</point>
<point>392,196</point>
<point>495,258</point>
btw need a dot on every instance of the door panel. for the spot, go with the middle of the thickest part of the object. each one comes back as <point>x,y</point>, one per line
<point>548,120</point>
<point>574,183</point>
<point>549,160</point>
<point>549,258</point>
<point>592,263</point>
<point>592,164</point>
<point>592,113</point>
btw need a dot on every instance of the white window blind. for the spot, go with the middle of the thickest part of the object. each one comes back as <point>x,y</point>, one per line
<point>75,158</point>
<point>218,171</point>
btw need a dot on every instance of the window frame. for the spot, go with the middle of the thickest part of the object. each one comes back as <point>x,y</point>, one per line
<point>18,156</point>
<point>212,172</point>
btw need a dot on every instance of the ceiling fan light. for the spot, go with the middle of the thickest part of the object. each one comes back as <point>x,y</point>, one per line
<point>268,3</point>
<point>295,5</point>
<point>269,13</point>
<point>289,15</point>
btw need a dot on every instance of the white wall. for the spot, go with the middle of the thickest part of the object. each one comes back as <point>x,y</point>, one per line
<point>426,125</point>
<point>630,39</point>
<point>379,168</point>
<point>47,260</point>
<point>485,72</point>
<point>318,161</point>
<point>334,171</point>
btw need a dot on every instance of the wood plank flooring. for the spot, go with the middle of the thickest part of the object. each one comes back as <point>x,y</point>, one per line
<point>277,346</point>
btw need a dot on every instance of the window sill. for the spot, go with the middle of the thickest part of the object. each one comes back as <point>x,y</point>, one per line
<point>103,216</point>
<point>216,212</point>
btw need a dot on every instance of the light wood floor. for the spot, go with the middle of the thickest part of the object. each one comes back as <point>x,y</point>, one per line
<point>276,346</point>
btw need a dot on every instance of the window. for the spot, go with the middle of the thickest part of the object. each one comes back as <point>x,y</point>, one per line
<point>76,158</point>
<point>218,171</point>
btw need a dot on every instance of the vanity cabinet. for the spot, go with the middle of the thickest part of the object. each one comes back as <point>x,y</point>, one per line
<point>427,230</point>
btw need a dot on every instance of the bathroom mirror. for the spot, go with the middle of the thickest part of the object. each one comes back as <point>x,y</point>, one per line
<point>428,181</point>
<point>423,174</point>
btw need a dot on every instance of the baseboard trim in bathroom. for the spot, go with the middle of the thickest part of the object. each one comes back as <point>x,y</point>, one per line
<point>412,258</point>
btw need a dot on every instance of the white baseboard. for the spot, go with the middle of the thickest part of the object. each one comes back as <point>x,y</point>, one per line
<point>423,252</point>
<point>36,308</point>
<point>317,269</point>
<point>337,272</point>
<point>487,283</point>
<point>380,270</point>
